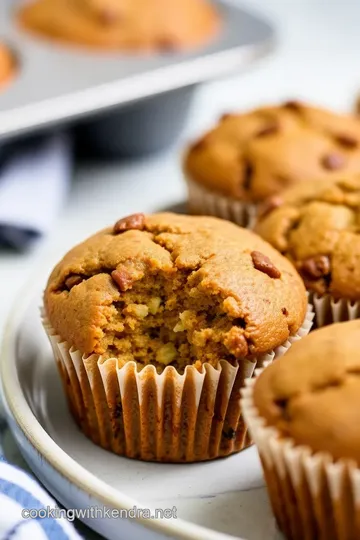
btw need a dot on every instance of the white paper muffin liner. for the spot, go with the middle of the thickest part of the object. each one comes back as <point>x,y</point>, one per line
<point>329,310</point>
<point>202,201</point>
<point>169,417</point>
<point>312,496</point>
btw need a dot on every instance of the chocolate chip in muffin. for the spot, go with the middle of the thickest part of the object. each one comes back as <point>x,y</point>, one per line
<point>315,267</point>
<point>229,434</point>
<point>269,129</point>
<point>262,263</point>
<point>269,205</point>
<point>348,141</point>
<point>333,161</point>
<point>284,311</point>
<point>247,175</point>
<point>73,280</point>
<point>122,278</point>
<point>135,221</point>
<point>292,105</point>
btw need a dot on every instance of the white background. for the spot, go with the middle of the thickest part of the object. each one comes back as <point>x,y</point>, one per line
<point>316,59</point>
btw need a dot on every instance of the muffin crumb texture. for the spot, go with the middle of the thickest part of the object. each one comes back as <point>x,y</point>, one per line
<point>175,290</point>
<point>312,394</point>
<point>254,155</point>
<point>317,225</point>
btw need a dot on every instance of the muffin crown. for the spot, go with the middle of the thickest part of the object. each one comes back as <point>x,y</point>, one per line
<point>254,155</point>
<point>317,226</point>
<point>312,393</point>
<point>226,284</point>
<point>123,24</point>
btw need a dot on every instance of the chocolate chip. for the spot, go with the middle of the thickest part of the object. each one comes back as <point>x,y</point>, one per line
<point>107,17</point>
<point>247,175</point>
<point>283,404</point>
<point>269,129</point>
<point>135,221</point>
<point>73,280</point>
<point>284,311</point>
<point>122,278</point>
<point>315,267</point>
<point>269,205</point>
<point>167,44</point>
<point>229,434</point>
<point>347,140</point>
<point>226,116</point>
<point>262,263</point>
<point>333,162</point>
<point>293,105</point>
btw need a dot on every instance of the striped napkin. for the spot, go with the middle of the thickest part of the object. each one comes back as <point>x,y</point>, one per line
<point>26,508</point>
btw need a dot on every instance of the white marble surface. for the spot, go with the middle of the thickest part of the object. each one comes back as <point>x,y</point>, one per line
<point>317,59</point>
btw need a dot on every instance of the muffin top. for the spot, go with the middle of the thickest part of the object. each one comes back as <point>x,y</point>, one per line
<point>123,24</point>
<point>317,226</point>
<point>312,393</point>
<point>173,289</point>
<point>6,64</point>
<point>257,154</point>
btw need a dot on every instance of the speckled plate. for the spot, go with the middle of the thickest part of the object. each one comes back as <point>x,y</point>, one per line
<point>219,500</point>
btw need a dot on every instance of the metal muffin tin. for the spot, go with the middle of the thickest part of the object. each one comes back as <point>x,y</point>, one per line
<point>122,103</point>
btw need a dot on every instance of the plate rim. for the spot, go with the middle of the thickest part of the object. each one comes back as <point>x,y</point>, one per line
<point>35,435</point>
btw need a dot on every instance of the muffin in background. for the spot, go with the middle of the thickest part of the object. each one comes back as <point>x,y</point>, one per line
<point>251,156</point>
<point>157,322</point>
<point>143,25</point>
<point>303,413</point>
<point>7,65</point>
<point>317,226</point>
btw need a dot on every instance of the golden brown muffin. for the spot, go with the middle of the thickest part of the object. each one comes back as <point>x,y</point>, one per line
<point>200,284</point>
<point>7,65</point>
<point>165,25</point>
<point>316,225</point>
<point>303,413</point>
<point>248,157</point>
<point>172,298</point>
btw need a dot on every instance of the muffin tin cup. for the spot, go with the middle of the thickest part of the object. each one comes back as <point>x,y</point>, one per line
<point>312,496</point>
<point>329,310</point>
<point>202,201</point>
<point>168,417</point>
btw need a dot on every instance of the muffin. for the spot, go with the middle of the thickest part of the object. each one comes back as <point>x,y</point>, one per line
<point>7,65</point>
<point>248,157</point>
<point>303,414</point>
<point>317,225</point>
<point>155,324</point>
<point>123,24</point>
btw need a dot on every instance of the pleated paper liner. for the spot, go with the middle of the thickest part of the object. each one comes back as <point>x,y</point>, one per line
<point>202,201</point>
<point>167,417</point>
<point>329,310</point>
<point>312,496</point>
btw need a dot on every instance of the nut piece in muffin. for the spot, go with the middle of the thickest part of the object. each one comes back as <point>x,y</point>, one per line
<point>123,24</point>
<point>7,65</point>
<point>317,225</point>
<point>303,411</point>
<point>251,156</point>
<point>167,315</point>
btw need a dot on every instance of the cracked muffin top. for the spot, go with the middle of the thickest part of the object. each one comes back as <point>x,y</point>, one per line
<point>123,24</point>
<point>317,226</point>
<point>172,289</point>
<point>312,392</point>
<point>7,64</point>
<point>257,154</point>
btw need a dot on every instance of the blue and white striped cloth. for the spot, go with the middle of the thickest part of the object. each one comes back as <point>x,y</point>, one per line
<point>20,494</point>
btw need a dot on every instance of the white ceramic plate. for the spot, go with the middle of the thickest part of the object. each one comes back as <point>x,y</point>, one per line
<point>219,500</point>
